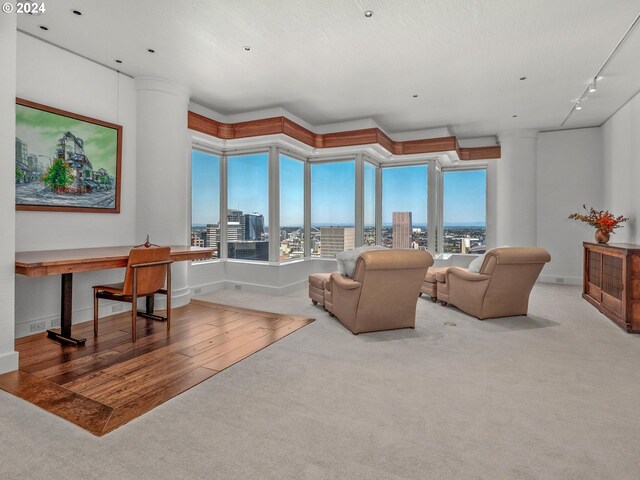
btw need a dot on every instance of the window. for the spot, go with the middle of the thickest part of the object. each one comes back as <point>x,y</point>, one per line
<point>248,207</point>
<point>369,206</point>
<point>332,208</point>
<point>205,200</point>
<point>404,207</point>
<point>465,211</point>
<point>291,208</point>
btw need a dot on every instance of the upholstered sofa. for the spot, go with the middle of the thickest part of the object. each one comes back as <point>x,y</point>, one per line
<point>383,292</point>
<point>502,286</point>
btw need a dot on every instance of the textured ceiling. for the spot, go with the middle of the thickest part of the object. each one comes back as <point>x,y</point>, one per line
<point>323,61</point>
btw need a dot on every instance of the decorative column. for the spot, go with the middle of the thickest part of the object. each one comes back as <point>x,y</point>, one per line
<point>162,166</point>
<point>8,356</point>
<point>516,198</point>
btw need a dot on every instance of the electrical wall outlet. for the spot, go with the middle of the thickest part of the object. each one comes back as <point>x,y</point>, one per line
<point>238,287</point>
<point>116,308</point>
<point>55,323</point>
<point>197,290</point>
<point>559,280</point>
<point>37,326</point>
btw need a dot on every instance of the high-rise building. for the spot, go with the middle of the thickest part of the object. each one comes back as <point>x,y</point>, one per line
<point>212,235</point>
<point>253,226</point>
<point>402,229</point>
<point>197,240</point>
<point>235,219</point>
<point>249,250</point>
<point>234,215</point>
<point>336,239</point>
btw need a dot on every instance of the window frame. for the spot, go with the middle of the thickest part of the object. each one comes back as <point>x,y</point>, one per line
<point>274,150</point>
<point>440,214</point>
<point>224,240</point>
<point>306,204</point>
<point>220,154</point>
<point>326,159</point>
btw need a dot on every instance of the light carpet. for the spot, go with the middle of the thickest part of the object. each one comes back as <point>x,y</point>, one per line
<point>550,396</point>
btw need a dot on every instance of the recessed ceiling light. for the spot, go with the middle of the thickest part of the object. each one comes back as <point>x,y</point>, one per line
<point>151,50</point>
<point>118,61</point>
<point>76,12</point>
<point>42,27</point>
<point>523,78</point>
<point>247,48</point>
<point>368,14</point>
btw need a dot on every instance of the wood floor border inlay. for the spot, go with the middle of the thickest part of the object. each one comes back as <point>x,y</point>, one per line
<point>111,381</point>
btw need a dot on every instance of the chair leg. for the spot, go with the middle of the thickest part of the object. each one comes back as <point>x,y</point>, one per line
<point>134,305</point>
<point>95,312</point>
<point>168,298</point>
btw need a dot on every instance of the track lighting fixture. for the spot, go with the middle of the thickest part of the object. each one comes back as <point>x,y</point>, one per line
<point>594,85</point>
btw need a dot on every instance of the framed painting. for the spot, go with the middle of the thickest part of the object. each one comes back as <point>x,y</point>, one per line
<point>66,162</point>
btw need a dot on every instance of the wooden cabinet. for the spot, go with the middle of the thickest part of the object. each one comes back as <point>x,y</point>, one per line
<point>612,282</point>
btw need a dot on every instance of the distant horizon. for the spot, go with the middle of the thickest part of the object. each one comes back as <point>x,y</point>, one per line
<point>466,225</point>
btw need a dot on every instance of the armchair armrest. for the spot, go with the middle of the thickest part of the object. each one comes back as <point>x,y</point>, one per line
<point>344,282</point>
<point>466,275</point>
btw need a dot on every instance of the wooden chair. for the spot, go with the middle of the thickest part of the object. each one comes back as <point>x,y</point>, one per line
<point>147,269</point>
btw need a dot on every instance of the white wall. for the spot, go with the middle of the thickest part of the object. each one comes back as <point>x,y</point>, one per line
<point>516,189</point>
<point>621,134</point>
<point>54,77</point>
<point>255,277</point>
<point>8,357</point>
<point>569,173</point>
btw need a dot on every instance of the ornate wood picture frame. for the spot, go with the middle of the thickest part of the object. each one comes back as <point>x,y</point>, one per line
<point>66,162</point>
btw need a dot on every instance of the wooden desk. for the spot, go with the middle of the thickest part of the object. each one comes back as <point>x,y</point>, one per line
<point>68,262</point>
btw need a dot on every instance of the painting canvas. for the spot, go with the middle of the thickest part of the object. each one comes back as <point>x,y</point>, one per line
<point>66,162</point>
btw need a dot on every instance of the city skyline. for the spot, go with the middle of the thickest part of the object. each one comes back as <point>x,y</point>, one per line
<point>332,192</point>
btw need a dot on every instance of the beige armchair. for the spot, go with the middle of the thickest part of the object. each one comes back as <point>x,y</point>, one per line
<point>383,292</point>
<point>500,289</point>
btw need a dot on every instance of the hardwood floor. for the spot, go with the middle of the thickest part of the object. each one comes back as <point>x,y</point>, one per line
<point>110,381</point>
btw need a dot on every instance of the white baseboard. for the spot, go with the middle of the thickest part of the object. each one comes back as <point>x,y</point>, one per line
<point>179,298</point>
<point>560,279</point>
<point>247,287</point>
<point>8,362</point>
<point>208,287</point>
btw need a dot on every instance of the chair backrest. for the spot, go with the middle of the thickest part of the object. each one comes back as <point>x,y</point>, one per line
<point>150,279</point>
<point>513,271</point>
<point>391,281</point>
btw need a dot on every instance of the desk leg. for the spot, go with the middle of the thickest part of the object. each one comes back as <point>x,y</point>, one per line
<point>66,308</point>
<point>150,304</point>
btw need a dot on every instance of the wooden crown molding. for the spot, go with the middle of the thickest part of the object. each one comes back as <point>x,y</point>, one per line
<point>366,136</point>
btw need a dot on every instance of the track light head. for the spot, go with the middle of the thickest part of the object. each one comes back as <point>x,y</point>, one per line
<point>594,86</point>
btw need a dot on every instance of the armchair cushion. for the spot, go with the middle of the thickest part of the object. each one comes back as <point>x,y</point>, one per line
<point>347,259</point>
<point>344,282</point>
<point>476,264</point>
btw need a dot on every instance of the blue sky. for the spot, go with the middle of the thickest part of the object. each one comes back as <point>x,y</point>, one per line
<point>404,189</point>
<point>332,191</point>
<point>205,189</point>
<point>465,194</point>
